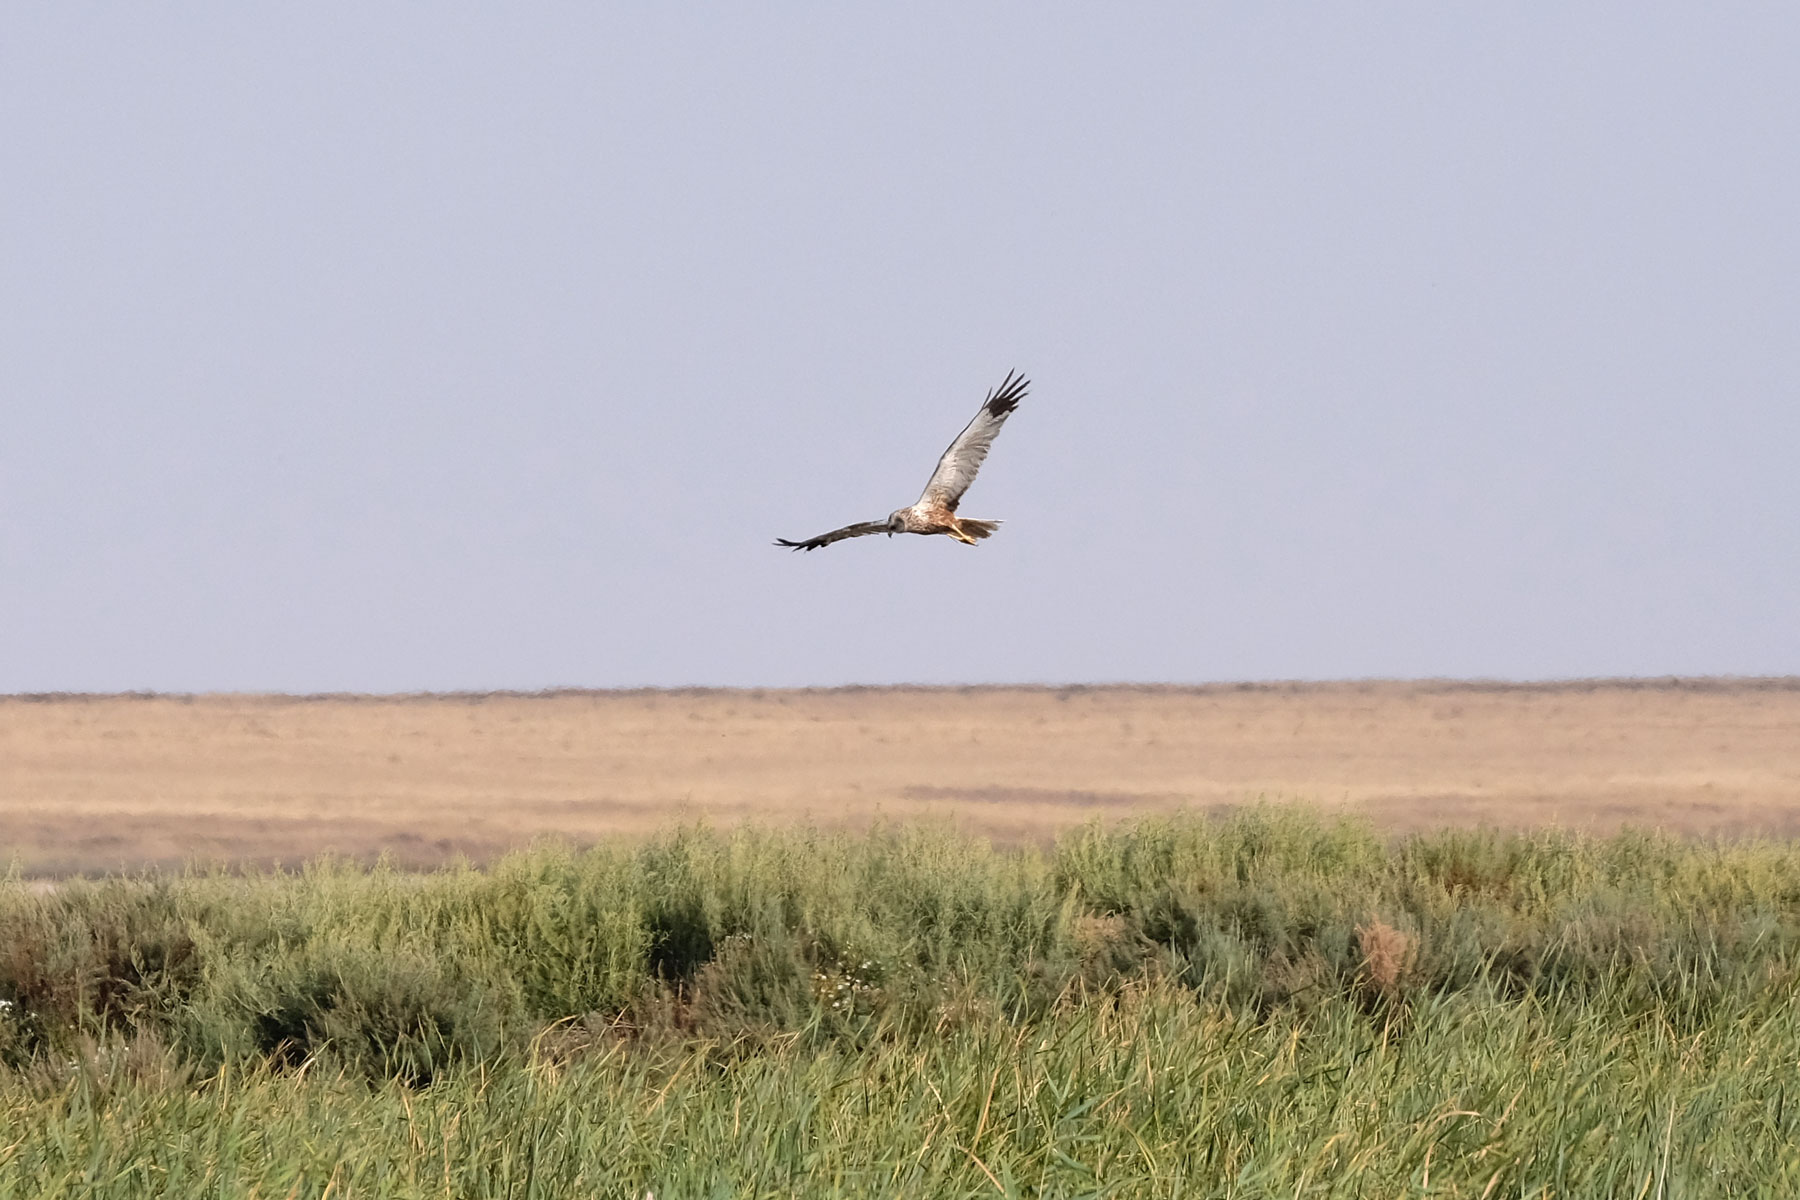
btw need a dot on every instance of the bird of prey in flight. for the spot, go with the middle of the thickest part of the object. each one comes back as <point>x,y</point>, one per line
<point>936,510</point>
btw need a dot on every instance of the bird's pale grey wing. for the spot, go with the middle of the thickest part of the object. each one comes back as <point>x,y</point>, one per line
<point>836,535</point>
<point>956,469</point>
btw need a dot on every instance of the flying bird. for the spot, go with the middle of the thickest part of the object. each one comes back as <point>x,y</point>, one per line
<point>936,510</point>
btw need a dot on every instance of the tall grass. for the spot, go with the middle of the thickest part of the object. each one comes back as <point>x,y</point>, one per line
<point>1271,1004</point>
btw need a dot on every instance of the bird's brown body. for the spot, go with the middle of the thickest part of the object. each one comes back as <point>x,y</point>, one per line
<point>938,519</point>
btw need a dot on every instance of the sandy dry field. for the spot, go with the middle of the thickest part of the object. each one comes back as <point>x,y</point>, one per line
<point>91,783</point>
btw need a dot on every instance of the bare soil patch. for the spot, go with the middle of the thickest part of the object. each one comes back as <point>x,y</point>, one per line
<point>96,782</point>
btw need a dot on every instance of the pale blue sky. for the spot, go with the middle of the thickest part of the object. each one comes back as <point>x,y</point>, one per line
<point>390,347</point>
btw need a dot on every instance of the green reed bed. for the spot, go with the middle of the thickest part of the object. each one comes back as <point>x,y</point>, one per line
<point>1271,1004</point>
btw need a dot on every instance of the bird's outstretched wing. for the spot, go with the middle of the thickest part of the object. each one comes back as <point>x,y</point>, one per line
<point>956,469</point>
<point>836,535</point>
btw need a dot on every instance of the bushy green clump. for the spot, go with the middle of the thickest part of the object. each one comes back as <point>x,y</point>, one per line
<point>833,935</point>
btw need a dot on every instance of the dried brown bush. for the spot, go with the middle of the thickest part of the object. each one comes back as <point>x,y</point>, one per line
<point>1388,955</point>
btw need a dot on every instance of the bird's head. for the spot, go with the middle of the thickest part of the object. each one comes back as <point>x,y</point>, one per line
<point>896,522</point>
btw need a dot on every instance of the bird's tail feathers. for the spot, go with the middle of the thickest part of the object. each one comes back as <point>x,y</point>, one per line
<point>977,529</point>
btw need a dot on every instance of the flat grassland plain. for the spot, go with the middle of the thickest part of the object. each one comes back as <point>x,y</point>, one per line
<point>1231,1000</point>
<point>93,783</point>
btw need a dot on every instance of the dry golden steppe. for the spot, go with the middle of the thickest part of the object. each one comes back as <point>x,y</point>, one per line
<point>96,782</point>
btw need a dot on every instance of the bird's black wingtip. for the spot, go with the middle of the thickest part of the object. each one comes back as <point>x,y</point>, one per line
<point>1003,399</point>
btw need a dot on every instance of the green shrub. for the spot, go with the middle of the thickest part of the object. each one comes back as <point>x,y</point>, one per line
<point>906,929</point>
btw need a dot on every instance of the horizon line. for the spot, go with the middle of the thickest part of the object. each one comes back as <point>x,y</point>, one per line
<point>1690,683</point>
